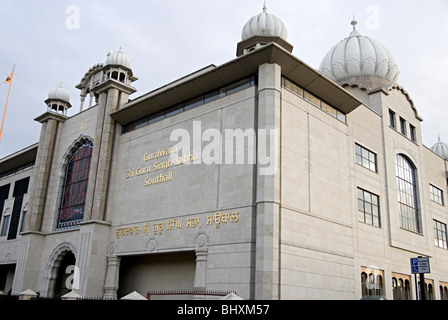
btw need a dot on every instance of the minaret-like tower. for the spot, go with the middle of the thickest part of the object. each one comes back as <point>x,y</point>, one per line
<point>113,92</point>
<point>58,103</point>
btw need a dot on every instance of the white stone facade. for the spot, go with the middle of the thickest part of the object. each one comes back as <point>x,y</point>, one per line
<point>161,217</point>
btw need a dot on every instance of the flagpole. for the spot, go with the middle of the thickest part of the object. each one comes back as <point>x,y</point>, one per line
<point>6,106</point>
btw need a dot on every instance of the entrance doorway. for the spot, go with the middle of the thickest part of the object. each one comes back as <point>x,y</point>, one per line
<point>157,272</point>
<point>6,277</point>
<point>65,275</point>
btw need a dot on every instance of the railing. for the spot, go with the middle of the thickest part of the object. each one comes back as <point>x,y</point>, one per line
<point>189,293</point>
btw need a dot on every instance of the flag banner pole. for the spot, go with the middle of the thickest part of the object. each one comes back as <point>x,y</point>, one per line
<point>8,80</point>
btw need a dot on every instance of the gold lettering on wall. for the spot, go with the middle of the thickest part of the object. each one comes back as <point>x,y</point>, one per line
<point>124,232</point>
<point>170,225</point>
<point>159,153</point>
<point>160,166</point>
<point>219,218</point>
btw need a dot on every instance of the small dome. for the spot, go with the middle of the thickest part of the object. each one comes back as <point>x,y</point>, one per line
<point>441,149</point>
<point>118,58</point>
<point>360,60</point>
<point>264,24</point>
<point>59,93</point>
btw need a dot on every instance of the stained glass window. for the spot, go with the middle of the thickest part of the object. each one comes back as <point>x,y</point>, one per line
<point>74,189</point>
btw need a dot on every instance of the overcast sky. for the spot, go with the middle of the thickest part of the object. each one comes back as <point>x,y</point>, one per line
<point>52,41</point>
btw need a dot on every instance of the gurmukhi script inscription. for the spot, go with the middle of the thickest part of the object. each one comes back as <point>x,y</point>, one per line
<point>177,224</point>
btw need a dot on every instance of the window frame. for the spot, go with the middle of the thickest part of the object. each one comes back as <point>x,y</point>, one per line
<point>440,235</point>
<point>372,282</point>
<point>392,119</point>
<point>443,288</point>
<point>23,220</point>
<point>5,224</point>
<point>367,201</point>
<point>413,133</point>
<point>408,202</point>
<point>403,126</point>
<point>436,198</point>
<point>361,157</point>
<point>314,100</point>
<point>401,287</point>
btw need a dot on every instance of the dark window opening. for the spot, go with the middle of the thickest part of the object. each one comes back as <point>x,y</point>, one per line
<point>20,189</point>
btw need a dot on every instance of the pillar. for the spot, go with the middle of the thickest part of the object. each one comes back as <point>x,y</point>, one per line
<point>91,259</point>
<point>112,95</point>
<point>112,277</point>
<point>39,181</point>
<point>268,184</point>
<point>200,274</point>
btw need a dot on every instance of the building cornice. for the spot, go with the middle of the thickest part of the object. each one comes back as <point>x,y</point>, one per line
<point>112,83</point>
<point>51,115</point>
<point>19,159</point>
<point>214,77</point>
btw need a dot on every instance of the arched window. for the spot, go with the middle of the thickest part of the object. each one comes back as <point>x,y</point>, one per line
<point>74,189</point>
<point>407,290</point>
<point>395,288</point>
<point>372,283</point>
<point>364,284</point>
<point>401,288</point>
<point>379,286</point>
<point>407,195</point>
<point>430,292</point>
<point>443,291</point>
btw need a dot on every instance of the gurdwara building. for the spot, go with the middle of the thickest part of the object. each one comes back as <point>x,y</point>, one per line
<point>262,176</point>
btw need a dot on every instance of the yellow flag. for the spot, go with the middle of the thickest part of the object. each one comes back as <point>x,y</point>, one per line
<point>9,79</point>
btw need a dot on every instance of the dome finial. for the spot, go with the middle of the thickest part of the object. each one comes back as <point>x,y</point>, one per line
<point>354,22</point>
<point>264,6</point>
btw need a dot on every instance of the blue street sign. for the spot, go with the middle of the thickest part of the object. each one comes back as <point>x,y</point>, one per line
<point>420,265</point>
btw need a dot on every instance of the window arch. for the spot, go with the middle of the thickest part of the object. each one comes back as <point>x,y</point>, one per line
<point>443,291</point>
<point>74,188</point>
<point>407,194</point>
<point>372,282</point>
<point>401,287</point>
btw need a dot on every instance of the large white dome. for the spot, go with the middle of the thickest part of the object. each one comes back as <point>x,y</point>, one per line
<point>264,24</point>
<point>441,149</point>
<point>118,58</point>
<point>59,93</point>
<point>362,61</point>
